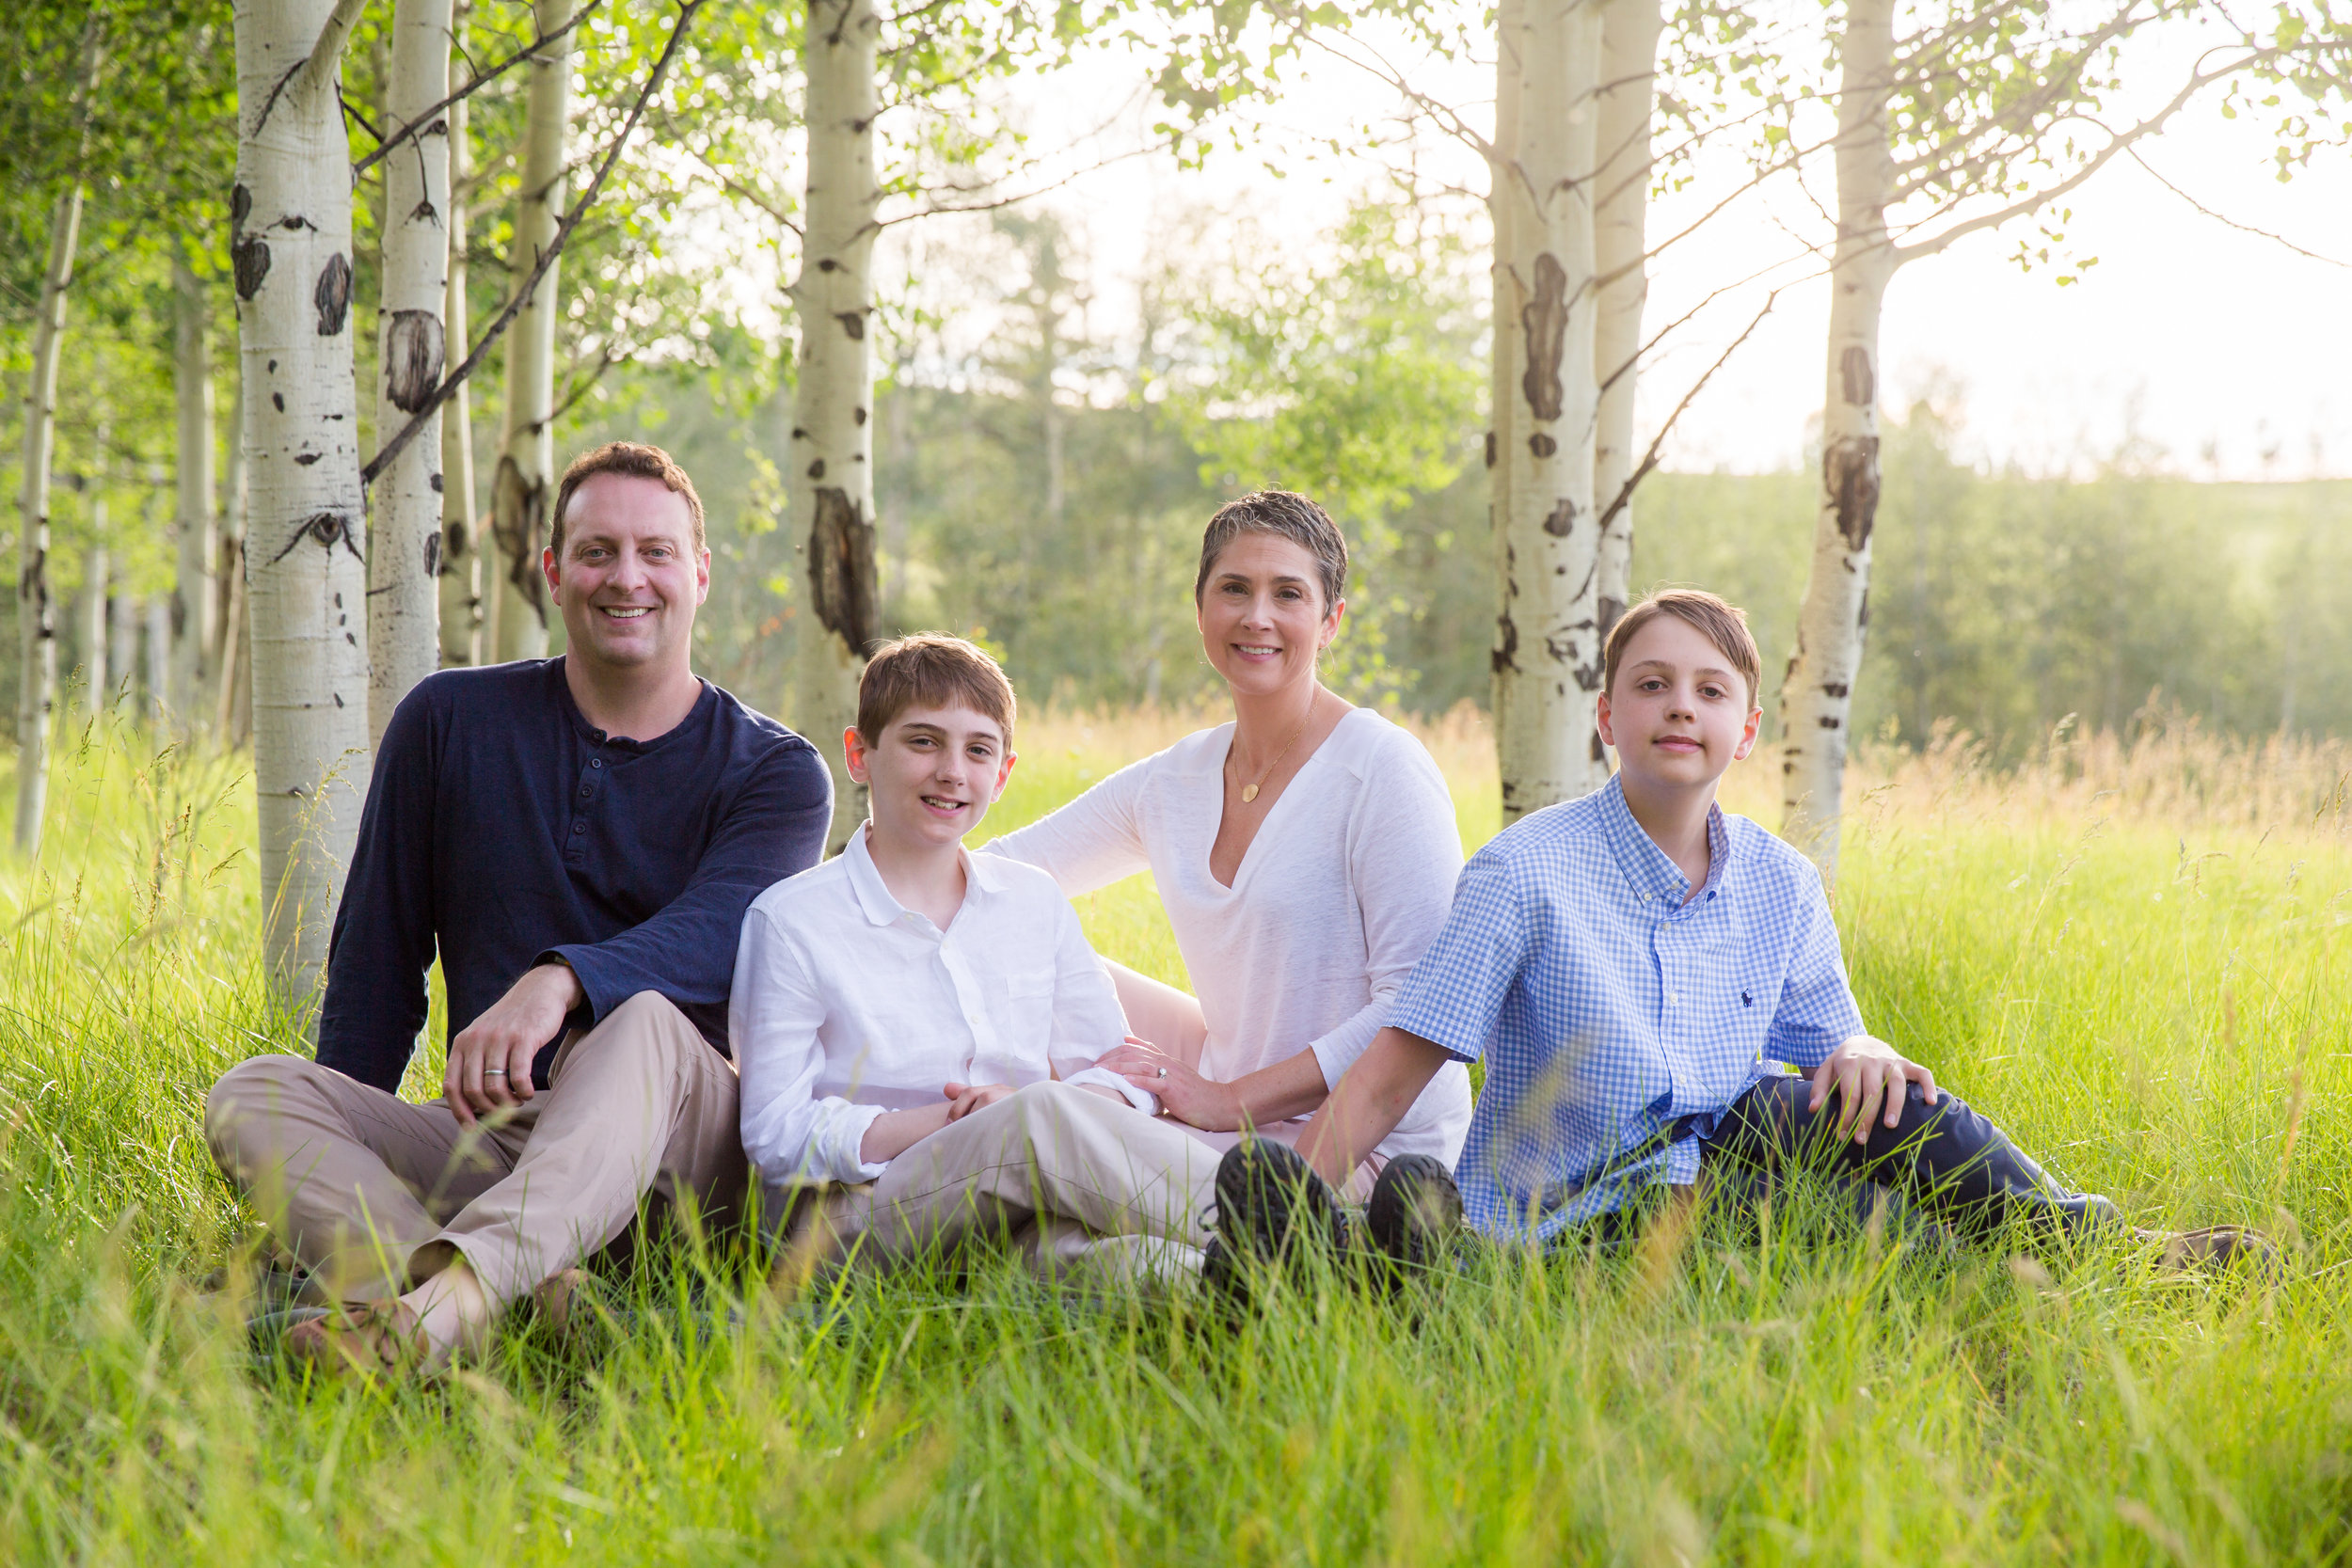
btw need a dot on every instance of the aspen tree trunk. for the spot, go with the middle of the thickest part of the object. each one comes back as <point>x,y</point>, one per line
<point>1628,67</point>
<point>159,649</point>
<point>404,538</point>
<point>36,630</point>
<point>95,570</point>
<point>1817,699</point>
<point>829,468</point>
<point>526,472</point>
<point>123,614</point>
<point>193,602</point>
<point>461,554</point>
<point>306,578</point>
<point>228,658</point>
<point>1547,654</point>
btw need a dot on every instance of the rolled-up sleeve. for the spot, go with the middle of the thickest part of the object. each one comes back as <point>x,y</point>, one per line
<point>1405,852</point>
<point>1456,992</point>
<point>789,1132</point>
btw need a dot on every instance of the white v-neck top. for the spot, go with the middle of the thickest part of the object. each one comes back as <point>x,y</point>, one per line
<point>1348,881</point>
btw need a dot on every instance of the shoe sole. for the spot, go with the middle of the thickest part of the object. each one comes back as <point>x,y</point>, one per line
<point>1415,1209</point>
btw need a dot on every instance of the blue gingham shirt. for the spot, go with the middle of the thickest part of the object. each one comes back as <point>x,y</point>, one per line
<point>1605,1007</point>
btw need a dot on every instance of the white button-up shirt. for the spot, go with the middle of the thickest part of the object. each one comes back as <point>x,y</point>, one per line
<point>848,1004</point>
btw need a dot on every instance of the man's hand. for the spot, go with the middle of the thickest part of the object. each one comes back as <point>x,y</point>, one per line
<point>1208,1104</point>
<point>1868,1072</point>
<point>965,1098</point>
<point>489,1062</point>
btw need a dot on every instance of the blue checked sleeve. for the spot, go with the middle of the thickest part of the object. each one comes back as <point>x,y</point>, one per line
<point>1457,990</point>
<point>1817,1012</point>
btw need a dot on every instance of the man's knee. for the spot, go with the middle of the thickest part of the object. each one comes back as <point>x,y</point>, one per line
<point>651,1022</point>
<point>247,1099</point>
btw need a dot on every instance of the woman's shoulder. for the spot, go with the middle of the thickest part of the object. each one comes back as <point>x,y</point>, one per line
<point>1375,749</point>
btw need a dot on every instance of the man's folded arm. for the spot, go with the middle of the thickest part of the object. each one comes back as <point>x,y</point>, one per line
<point>774,828</point>
<point>382,943</point>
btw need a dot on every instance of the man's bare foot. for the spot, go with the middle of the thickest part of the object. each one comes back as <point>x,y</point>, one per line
<point>453,1316</point>
<point>372,1339</point>
<point>564,1303</point>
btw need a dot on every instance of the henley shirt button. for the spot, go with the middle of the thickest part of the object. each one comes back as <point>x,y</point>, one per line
<point>596,762</point>
<point>579,827</point>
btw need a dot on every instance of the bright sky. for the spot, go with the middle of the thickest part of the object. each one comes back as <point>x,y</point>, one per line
<point>2222,350</point>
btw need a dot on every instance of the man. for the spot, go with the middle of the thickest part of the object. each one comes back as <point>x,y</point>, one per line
<point>578,838</point>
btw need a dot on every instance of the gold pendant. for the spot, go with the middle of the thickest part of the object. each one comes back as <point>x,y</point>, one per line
<point>1249,793</point>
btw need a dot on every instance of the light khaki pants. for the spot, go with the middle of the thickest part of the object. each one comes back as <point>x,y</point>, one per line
<point>376,1194</point>
<point>1090,1189</point>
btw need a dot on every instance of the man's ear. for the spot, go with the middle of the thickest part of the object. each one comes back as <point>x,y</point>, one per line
<point>553,573</point>
<point>853,754</point>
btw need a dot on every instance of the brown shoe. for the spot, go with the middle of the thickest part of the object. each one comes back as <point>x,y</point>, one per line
<point>2217,1247</point>
<point>374,1338</point>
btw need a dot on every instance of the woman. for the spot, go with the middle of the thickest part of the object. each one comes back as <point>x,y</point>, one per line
<point>1306,854</point>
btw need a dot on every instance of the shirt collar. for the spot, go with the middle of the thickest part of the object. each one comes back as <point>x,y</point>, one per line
<point>873,895</point>
<point>1650,870</point>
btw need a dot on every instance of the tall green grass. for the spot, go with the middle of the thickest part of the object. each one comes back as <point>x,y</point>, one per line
<point>2155,998</point>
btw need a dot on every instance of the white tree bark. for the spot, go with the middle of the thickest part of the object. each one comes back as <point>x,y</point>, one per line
<point>193,595</point>
<point>829,466</point>
<point>304,575</point>
<point>36,630</point>
<point>96,569</point>
<point>1547,654</point>
<point>159,638</point>
<point>404,538</point>
<point>1817,699</point>
<point>124,612</point>
<point>228,653</point>
<point>1628,67</point>
<point>461,554</point>
<point>525,482</point>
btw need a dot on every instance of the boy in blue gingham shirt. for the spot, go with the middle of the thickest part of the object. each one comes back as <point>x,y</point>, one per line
<point>1632,967</point>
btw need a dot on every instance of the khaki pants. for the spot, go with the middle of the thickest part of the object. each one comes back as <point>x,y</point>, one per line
<point>376,1194</point>
<point>1088,1188</point>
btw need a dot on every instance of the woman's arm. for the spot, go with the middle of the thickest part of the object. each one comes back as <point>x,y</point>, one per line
<point>1090,842</point>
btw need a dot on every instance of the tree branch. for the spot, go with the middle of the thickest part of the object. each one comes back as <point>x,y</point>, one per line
<point>2229,222</point>
<point>457,378</point>
<point>326,54</point>
<point>481,79</point>
<point>1649,459</point>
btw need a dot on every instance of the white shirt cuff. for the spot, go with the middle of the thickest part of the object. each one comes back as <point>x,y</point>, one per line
<point>836,1147</point>
<point>1142,1100</point>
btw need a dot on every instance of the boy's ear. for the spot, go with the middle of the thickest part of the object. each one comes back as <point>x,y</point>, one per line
<point>853,752</point>
<point>1601,720</point>
<point>1748,736</point>
<point>1004,776</point>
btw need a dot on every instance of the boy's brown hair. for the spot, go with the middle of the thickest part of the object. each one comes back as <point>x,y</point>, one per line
<point>1724,624</point>
<point>932,670</point>
<point>624,457</point>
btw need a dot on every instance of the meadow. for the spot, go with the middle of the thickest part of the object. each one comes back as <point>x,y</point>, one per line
<point>2139,958</point>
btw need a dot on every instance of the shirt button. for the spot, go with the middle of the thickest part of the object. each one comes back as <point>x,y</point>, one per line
<point>1672,998</point>
<point>579,827</point>
<point>584,792</point>
<point>596,762</point>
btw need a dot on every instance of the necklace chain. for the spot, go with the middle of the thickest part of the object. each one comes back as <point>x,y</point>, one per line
<point>1249,791</point>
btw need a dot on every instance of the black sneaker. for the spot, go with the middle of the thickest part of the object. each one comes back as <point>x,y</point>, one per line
<point>1415,1212</point>
<point>1271,1207</point>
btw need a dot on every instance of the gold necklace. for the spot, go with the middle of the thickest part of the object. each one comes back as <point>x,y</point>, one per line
<point>1249,791</point>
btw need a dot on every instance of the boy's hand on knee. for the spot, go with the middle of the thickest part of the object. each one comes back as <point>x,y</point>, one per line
<point>489,1061</point>
<point>1868,1075</point>
<point>965,1098</point>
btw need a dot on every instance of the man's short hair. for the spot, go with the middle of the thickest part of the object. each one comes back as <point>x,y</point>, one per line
<point>624,457</point>
<point>932,670</point>
<point>1286,515</point>
<point>1724,624</point>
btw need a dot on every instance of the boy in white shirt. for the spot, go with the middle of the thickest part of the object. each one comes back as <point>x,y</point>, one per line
<point>916,1024</point>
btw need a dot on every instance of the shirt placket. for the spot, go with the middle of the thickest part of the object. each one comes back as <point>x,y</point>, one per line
<point>969,997</point>
<point>588,795</point>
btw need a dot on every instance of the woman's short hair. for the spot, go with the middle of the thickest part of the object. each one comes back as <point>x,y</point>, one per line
<point>932,670</point>
<point>1285,514</point>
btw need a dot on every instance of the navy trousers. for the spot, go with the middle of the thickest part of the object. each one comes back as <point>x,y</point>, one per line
<point>1945,1161</point>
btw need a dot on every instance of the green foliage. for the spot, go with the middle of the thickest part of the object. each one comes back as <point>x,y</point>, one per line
<point>2162,1025</point>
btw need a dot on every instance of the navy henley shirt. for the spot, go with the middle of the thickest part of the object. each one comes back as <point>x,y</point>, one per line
<point>502,829</point>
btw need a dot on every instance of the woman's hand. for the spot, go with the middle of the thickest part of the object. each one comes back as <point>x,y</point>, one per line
<point>1203,1102</point>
